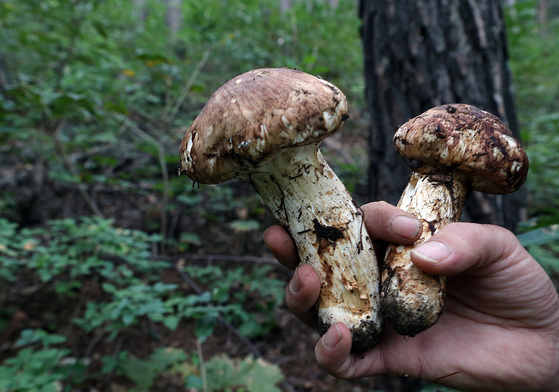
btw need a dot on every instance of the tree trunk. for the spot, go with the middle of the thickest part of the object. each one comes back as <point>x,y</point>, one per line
<point>173,17</point>
<point>139,10</point>
<point>542,18</point>
<point>285,5</point>
<point>424,53</point>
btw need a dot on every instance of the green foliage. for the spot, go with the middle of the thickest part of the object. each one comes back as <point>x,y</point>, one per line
<point>38,366</point>
<point>67,255</point>
<point>129,304</point>
<point>541,238</point>
<point>164,360</point>
<point>216,374</point>
<point>534,52</point>
<point>69,249</point>
<point>547,257</point>
<point>235,286</point>
<point>226,374</point>
<point>100,94</point>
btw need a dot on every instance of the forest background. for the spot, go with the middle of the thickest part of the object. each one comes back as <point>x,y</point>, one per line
<point>117,274</point>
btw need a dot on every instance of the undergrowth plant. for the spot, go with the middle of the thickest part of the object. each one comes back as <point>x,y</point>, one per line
<point>95,95</point>
<point>534,61</point>
<point>68,260</point>
<point>38,364</point>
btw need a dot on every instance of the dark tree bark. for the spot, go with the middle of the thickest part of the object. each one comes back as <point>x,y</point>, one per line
<point>285,5</point>
<point>173,17</point>
<point>424,53</point>
<point>139,10</point>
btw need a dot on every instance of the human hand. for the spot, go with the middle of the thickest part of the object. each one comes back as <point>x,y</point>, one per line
<point>500,326</point>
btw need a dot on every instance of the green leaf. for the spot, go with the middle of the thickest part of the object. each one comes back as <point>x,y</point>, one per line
<point>540,236</point>
<point>204,327</point>
<point>254,375</point>
<point>171,322</point>
<point>140,371</point>
<point>194,381</point>
<point>167,357</point>
<point>33,336</point>
<point>109,288</point>
<point>242,225</point>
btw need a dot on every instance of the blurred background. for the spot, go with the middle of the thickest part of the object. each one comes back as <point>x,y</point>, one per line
<point>116,274</point>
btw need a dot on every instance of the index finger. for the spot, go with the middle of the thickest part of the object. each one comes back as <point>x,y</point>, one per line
<point>282,246</point>
<point>391,224</point>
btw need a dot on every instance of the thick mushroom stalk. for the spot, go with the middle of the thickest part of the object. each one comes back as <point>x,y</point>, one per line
<point>453,150</point>
<point>265,127</point>
<point>305,196</point>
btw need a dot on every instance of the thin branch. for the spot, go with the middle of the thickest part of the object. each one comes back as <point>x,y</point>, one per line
<point>202,366</point>
<point>164,174</point>
<point>71,169</point>
<point>166,191</point>
<point>223,258</point>
<point>170,114</point>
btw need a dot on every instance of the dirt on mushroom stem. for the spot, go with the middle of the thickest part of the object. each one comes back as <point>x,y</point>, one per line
<point>304,194</point>
<point>412,300</point>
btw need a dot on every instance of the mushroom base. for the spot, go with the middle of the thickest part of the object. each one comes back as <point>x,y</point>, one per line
<point>304,194</point>
<point>412,300</point>
<point>363,337</point>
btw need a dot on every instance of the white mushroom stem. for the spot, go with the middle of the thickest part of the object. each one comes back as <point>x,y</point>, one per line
<point>307,198</point>
<point>412,300</point>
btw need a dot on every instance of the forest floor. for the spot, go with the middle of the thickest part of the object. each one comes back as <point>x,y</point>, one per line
<point>289,344</point>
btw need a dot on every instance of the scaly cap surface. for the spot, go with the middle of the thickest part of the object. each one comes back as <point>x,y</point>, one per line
<point>463,138</point>
<point>254,116</point>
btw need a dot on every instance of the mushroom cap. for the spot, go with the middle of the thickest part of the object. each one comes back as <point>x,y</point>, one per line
<point>462,138</point>
<point>254,116</point>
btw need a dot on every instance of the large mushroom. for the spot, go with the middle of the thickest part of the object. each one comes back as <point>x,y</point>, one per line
<point>265,127</point>
<point>452,149</point>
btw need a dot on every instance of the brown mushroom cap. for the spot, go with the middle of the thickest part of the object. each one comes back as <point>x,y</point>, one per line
<point>255,115</point>
<point>463,138</point>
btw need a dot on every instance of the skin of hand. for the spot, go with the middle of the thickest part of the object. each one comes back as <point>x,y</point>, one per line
<point>499,330</point>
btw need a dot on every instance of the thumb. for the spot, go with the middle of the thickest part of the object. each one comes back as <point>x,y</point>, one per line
<point>458,247</point>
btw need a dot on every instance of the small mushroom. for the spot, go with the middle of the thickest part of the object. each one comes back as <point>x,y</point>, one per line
<point>265,127</point>
<point>453,150</point>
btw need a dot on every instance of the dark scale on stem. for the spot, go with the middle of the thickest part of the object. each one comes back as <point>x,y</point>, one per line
<point>330,233</point>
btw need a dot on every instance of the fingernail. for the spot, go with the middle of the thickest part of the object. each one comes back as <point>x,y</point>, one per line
<point>295,284</point>
<point>265,234</point>
<point>405,226</point>
<point>332,337</point>
<point>432,251</point>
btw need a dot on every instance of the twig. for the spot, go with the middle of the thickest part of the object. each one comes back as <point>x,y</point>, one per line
<point>90,347</point>
<point>219,257</point>
<point>172,112</point>
<point>225,258</point>
<point>67,164</point>
<point>166,191</point>
<point>164,174</point>
<point>203,371</point>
